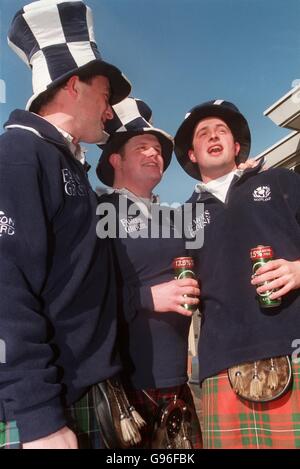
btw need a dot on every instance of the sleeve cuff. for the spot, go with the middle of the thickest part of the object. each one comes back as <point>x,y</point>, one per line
<point>135,299</point>
<point>41,422</point>
<point>145,298</point>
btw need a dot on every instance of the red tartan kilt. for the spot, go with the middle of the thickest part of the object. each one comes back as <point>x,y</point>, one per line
<point>150,411</point>
<point>232,423</point>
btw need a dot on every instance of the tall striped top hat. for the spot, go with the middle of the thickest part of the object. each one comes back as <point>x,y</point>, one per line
<point>131,117</point>
<point>55,38</point>
<point>224,110</point>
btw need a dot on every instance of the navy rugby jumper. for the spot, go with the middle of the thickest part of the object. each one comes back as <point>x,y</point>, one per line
<point>260,208</point>
<point>57,289</point>
<point>154,346</point>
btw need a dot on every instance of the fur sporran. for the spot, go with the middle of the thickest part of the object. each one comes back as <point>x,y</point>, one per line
<point>262,380</point>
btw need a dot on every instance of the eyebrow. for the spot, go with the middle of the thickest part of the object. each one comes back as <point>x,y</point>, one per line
<point>206,127</point>
<point>152,144</point>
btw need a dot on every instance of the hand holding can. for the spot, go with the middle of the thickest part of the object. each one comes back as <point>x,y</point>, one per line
<point>183,268</point>
<point>260,255</point>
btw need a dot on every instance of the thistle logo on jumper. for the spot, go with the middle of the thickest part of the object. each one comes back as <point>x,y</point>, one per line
<point>262,194</point>
<point>73,185</point>
<point>7,225</point>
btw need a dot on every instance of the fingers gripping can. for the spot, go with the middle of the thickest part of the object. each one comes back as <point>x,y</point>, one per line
<point>260,255</point>
<point>183,268</point>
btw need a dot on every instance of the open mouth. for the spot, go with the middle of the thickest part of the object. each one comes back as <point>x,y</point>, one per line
<point>151,164</point>
<point>215,150</point>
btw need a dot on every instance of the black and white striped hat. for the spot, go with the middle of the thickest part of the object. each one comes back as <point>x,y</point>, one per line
<point>55,38</point>
<point>226,111</point>
<point>131,117</point>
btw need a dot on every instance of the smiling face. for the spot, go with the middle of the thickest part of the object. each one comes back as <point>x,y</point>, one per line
<point>214,148</point>
<point>140,166</point>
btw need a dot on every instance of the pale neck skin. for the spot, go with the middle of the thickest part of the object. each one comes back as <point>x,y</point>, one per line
<point>137,189</point>
<point>62,120</point>
<point>212,175</point>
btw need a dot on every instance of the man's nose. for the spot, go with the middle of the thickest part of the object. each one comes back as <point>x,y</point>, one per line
<point>151,151</point>
<point>213,135</point>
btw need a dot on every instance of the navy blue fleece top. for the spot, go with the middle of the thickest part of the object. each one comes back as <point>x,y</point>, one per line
<point>154,346</point>
<point>261,208</point>
<point>57,289</point>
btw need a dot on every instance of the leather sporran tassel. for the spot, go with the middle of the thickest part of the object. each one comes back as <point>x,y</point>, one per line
<point>137,418</point>
<point>273,377</point>
<point>238,383</point>
<point>139,421</point>
<point>255,385</point>
<point>128,430</point>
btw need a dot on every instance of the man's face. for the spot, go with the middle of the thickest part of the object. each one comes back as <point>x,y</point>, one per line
<point>93,109</point>
<point>214,148</point>
<point>142,161</point>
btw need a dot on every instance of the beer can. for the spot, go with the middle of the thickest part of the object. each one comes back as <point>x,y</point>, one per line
<point>260,255</point>
<point>183,268</point>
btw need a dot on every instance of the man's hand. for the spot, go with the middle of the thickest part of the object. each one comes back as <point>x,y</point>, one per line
<point>280,274</point>
<point>62,439</point>
<point>250,163</point>
<point>170,296</point>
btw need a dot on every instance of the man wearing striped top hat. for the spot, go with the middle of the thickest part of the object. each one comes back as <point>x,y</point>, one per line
<point>154,326</point>
<point>57,314</point>
<point>249,342</point>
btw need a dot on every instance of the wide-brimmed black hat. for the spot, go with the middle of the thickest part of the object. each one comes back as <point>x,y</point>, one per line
<point>132,117</point>
<point>55,38</point>
<point>224,110</point>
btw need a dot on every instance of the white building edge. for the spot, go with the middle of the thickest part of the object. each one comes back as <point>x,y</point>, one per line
<point>285,113</point>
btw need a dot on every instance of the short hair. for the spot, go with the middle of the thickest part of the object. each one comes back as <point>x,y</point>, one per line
<point>47,96</point>
<point>121,150</point>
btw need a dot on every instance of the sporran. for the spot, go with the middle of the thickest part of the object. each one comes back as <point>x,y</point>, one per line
<point>262,380</point>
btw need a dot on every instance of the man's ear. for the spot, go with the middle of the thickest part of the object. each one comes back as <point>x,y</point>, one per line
<point>115,160</point>
<point>72,86</point>
<point>237,148</point>
<point>192,156</point>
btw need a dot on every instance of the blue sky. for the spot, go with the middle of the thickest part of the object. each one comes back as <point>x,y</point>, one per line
<point>179,53</point>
